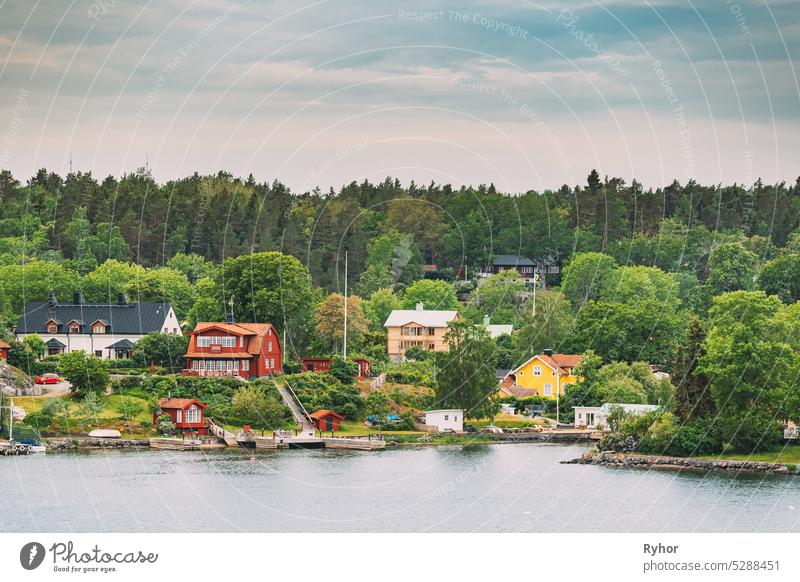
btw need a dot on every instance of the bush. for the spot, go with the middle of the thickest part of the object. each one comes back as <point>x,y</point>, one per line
<point>165,425</point>
<point>38,420</point>
<point>323,391</point>
<point>417,354</point>
<point>750,431</point>
<point>415,373</point>
<point>86,373</point>
<point>252,406</point>
<point>343,370</point>
<point>130,409</point>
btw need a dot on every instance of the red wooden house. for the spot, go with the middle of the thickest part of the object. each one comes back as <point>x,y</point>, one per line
<point>249,350</point>
<point>187,414</point>
<point>326,419</point>
<point>4,347</point>
<point>324,365</point>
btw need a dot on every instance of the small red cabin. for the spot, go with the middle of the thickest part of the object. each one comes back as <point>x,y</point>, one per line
<point>326,420</point>
<point>186,413</point>
<point>4,347</point>
<point>324,365</point>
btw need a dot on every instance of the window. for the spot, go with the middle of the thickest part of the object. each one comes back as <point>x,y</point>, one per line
<point>246,365</point>
<point>455,418</point>
<point>537,370</point>
<point>431,346</point>
<point>202,365</point>
<point>52,327</point>
<point>98,328</point>
<point>74,327</point>
<point>272,362</point>
<point>203,341</point>
<point>98,353</point>
<point>548,389</point>
<point>179,416</point>
<point>447,417</point>
<point>269,346</point>
<point>521,372</point>
<point>229,365</point>
<point>241,341</point>
<point>229,342</point>
<point>174,330</point>
<point>193,414</point>
<point>195,365</point>
<point>431,331</point>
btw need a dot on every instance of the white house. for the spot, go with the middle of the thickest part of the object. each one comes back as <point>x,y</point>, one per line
<point>105,330</point>
<point>451,420</point>
<point>597,416</point>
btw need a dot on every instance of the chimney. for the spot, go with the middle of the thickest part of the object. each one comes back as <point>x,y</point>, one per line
<point>486,320</point>
<point>548,352</point>
<point>51,299</point>
<point>419,306</point>
<point>122,299</point>
<point>77,298</point>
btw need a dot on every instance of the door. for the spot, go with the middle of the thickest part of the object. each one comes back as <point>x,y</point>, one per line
<point>590,419</point>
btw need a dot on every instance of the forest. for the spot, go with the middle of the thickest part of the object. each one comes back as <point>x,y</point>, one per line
<point>701,282</point>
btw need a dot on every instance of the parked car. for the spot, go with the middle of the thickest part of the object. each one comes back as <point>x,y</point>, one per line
<point>491,429</point>
<point>48,378</point>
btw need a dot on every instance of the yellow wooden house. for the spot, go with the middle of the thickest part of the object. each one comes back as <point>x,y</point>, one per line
<point>545,374</point>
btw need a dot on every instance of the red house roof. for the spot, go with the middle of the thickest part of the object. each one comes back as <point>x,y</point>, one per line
<point>4,345</point>
<point>320,414</point>
<point>179,403</point>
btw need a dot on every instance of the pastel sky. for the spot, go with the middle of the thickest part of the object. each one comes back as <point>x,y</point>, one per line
<point>527,95</point>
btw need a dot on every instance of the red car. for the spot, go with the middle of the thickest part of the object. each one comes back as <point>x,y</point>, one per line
<point>48,379</point>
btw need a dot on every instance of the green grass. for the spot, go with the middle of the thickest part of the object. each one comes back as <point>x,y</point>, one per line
<point>789,455</point>
<point>357,427</point>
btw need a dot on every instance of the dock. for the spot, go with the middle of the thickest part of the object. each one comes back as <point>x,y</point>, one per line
<point>369,443</point>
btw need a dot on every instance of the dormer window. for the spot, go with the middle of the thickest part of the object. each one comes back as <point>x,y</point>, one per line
<point>74,326</point>
<point>52,326</point>
<point>99,326</point>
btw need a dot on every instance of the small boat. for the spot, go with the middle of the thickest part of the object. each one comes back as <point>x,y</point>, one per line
<point>173,444</point>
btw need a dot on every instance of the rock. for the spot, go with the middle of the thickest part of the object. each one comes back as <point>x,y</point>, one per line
<point>16,383</point>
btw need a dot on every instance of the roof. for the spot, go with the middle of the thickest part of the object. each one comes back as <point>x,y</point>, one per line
<point>210,355</point>
<point>123,344</point>
<point>557,362</point>
<point>519,391</point>
<point>4,345</point>
<point>496,330</point>
<point>320,414</point>
<point>606,408</point>
<point>459,410</point>
<point>179,403</point>
<point>132,318</point>
<point>254,346</point>
<point>513,260</point>
<point>423,317</point>
<point>54,343</point>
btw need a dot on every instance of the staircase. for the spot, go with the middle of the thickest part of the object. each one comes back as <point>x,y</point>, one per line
<point>299,413</point>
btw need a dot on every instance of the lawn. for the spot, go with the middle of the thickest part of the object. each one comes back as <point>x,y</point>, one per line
<point>109,416</point>
<point>789,455</point>
<point>357,427</point>
<point>507,421</point>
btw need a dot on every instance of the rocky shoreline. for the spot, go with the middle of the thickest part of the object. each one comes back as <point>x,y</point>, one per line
<point>681,463</point>
<point>81,443</point>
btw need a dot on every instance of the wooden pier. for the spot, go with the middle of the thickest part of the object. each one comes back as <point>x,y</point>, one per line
<point>369,443</point>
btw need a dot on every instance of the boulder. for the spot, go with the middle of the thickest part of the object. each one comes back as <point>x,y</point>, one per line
<point>15,382</point>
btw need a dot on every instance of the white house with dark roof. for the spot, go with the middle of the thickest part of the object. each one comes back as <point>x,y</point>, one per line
<point>420,327</point>
<point>597,416</point>
<point>105,330</point>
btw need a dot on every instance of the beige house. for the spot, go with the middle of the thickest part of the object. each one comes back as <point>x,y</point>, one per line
<point>423,328</point>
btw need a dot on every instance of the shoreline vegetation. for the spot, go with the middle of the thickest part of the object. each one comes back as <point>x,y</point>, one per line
<point>705,464</point>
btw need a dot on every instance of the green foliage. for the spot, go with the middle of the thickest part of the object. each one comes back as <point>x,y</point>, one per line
<point>547,328</point>
<point>91,405</point>
<point>87,374</point>
<point>731,267</point>
<point>343,370</point>
<point>499,295</point>
<point>162,349</point>
<point>466,373</point>
<point>438,295</point>
<point>129,409</point>
<point>418,354</point>
<point>376,404</point>
<point>417,373</point>
<point>781,277</point>
<point>251,405</point>
<point>381,303</point>
<point>323,391</point>
<point>164,425</point>
<point>585,276</point>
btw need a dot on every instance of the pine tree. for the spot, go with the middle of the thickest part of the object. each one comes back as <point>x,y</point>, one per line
<point>693,398</point>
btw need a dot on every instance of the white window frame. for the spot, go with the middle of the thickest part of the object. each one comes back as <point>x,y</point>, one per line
<point>537,371</point>
<point>548,389</point>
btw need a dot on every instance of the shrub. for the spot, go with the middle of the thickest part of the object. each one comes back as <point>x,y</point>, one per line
<point>323,391</point>
<point>130,409</point>
<point>343,370</point>
<point>251,405</point>
<point>38,420</point>
<point>165,425</point>
<point>86,373</point>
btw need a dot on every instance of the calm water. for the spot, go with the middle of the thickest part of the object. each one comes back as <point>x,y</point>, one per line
<point>475,488</point>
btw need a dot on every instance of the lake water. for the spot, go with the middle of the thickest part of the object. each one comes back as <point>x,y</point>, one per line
<point>473,488</point>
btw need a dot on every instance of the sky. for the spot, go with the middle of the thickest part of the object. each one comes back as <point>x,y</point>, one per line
<point>525,95</point>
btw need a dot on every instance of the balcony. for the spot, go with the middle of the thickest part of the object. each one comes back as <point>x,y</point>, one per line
<point>211,373</point>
